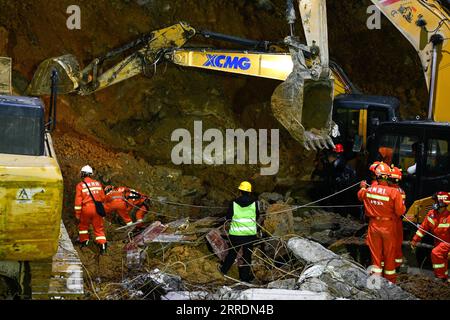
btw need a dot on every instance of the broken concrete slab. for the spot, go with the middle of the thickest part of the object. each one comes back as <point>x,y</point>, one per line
<point>273,294</point>
<point>344,279</point>
<point>289,284</point>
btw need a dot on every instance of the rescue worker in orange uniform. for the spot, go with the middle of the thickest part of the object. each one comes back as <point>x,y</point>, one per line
<point>437,222</point>
<point>394,179</point>
<point>85,210</point>
<point>372,168</point>
<point>383,206</point>
<point>140,202</point>
<point>116,201</point>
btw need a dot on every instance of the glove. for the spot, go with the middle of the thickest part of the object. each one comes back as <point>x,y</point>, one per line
<point>413,247</point>
<point>363,184</point>
<point>77,216</point>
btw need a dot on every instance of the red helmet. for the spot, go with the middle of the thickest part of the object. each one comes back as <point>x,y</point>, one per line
<point>442,198</point>
<point>382,170</point>
<point>396,173</point>
<point>373,166</point>
<point>339,148</point>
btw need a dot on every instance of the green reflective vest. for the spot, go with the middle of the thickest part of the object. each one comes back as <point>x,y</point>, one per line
<point>243,222</point>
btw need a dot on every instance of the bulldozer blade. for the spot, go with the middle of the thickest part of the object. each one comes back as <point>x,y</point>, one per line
<point>68,70</point>
<point>304,107</point>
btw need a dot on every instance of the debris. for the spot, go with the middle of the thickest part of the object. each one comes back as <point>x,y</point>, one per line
<point>179,238</point>
<point>179,224</point>
<point>147,236</point>
<point>167,282</point>
<point>283,284</point>
<point>279,220</point>
<point>343,278</point>
<point>271,197</point>
<point>274,294</point>
<point>218,244</point>
<point>186,295</point>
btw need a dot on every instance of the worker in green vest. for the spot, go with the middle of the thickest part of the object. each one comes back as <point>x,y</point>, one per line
<point>242,215</point>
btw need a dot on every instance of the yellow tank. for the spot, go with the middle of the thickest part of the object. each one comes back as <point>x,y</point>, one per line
<point>31,194</point>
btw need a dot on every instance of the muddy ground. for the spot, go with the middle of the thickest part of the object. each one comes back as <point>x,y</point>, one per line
<point>124,131</point>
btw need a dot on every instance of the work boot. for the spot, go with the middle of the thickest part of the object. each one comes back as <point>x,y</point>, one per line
<point>103,247</point>
<point>84,244</point>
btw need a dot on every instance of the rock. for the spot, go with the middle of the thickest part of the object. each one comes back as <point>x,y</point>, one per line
<point>325,237</point>
<point>314,285</point>
<point>279,220</point>
<point>283,284</point>
<point>343,278</point>
<point>271,197</point>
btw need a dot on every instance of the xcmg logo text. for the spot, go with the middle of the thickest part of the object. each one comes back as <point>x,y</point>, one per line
<point>227,62</point>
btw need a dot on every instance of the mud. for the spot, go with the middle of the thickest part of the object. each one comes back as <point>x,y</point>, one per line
<point>124,131</point>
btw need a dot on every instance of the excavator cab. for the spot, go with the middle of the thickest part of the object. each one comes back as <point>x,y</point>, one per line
<point>421,149</point>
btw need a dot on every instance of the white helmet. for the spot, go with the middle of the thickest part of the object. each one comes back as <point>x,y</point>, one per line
<point>87,169</point>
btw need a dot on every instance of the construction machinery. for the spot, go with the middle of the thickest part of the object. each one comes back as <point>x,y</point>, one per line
<point>37,258</point>
<point>421,147</point>
<point>303,103</point>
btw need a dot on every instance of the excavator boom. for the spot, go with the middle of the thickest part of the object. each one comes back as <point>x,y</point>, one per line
<point>302,103</point>
<point>426,25</point>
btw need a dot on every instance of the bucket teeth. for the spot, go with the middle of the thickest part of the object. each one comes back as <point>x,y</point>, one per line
<point>317,141</point>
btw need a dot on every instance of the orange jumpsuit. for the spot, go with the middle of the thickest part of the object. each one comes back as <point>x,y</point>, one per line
<point>399,245</point>
<point>115,201</point>
<point>86,212</point>
<point>140,204</point>
<point>437,223</point>
<point>383,205</point>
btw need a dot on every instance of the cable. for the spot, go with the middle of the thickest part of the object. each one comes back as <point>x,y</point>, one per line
<point>313,202</point>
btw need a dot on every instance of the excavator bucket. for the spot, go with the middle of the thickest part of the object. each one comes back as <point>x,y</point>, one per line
<point>304,102</point>
<point>68,70</point>
<point>304,107</point>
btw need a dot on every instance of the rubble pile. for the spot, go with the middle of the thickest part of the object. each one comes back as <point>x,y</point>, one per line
<point>340,277</point>
<point>326,227</point>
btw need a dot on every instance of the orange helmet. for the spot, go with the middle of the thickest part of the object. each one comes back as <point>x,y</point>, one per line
<point>396,173</point>
<point>382,170</point>
<point>339,148</point>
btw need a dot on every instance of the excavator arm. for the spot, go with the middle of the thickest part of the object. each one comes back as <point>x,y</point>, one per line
<point>302,103</point>
<point>426,25</point>
<point>147,52</point>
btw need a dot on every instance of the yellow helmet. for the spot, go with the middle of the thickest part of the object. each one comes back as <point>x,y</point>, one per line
<point>245,186</point>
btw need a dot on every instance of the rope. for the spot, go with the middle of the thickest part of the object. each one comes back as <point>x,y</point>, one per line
<point>313,202</point>
<point>291,208</point>
<point>187,205</point>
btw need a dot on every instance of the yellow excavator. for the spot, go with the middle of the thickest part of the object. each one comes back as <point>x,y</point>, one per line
<point>37,258</point>
<point>315,94</point>
<point>302,102</point>
<point>421,147</point>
